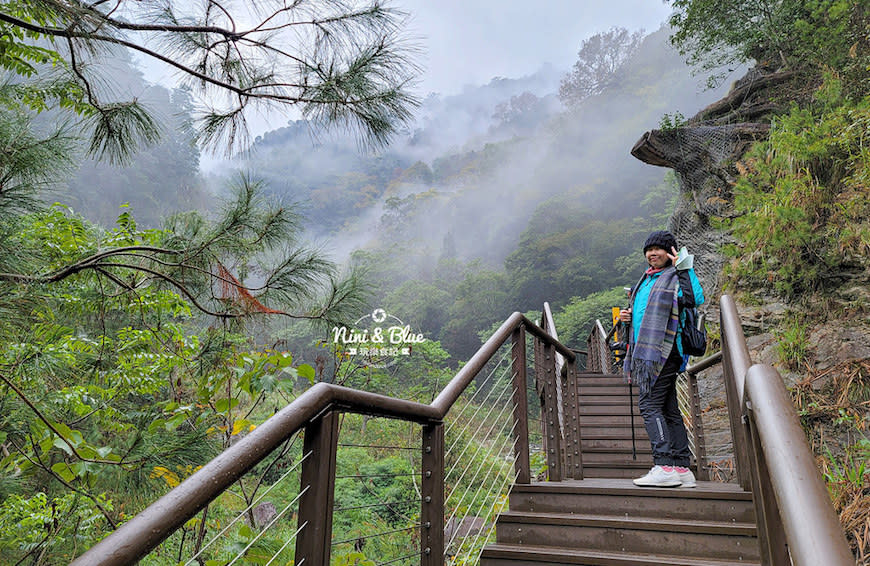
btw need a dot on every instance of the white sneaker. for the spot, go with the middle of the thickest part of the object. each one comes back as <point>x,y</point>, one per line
<point>687,478</point>
<point>658,477</point>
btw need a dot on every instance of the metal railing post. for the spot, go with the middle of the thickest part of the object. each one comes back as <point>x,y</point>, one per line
<point>545,375</point>
<point>316,504</point>
<point>697,427</point>
<point>432,492</point>
<point>521,406</point>
<point>571,424</point>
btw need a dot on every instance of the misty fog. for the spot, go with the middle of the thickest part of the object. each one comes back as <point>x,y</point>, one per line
<point>500,180</point>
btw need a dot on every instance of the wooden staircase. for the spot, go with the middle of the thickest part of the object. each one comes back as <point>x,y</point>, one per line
<point>608,409</point>
<point>605,519</point>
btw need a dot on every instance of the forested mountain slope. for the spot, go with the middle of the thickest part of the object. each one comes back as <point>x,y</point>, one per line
<point>544,203</point>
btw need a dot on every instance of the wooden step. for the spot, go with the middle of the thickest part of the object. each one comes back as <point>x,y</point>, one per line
<point>622,458</point>
<point>680,537</point>
<point>712,501</point>
<point>605,519</point>
<point>595,398</point>
<point>616,389</point>
<point>591,444</point>
<point>500,554</point>
<point>626,470</point>
<point>599,421</point>
<point>613,433</point>
<point>585,377</point>
<point>591,447</point>
<point>603,409</point>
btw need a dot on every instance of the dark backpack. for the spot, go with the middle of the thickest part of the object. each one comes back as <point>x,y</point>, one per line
<point>694,334</point>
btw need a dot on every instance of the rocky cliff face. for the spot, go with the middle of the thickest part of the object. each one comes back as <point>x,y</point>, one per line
<point>706,153</point>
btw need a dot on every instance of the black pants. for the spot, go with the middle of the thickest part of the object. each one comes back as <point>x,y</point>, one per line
<point>662,418</point>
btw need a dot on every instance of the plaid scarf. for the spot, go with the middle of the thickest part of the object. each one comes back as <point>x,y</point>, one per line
<point>657,333</point>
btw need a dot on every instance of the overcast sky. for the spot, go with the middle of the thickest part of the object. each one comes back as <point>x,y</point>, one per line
<point>468,42</point>
<point>472,41</point>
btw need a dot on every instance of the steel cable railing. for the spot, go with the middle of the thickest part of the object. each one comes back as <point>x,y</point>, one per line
<point>224,545</point>
<point>684,404</point>
<point>376,515</point>
<point>475,490</point>
<point>467,421</point>
<point>487,408</point>
<point>481,439</point>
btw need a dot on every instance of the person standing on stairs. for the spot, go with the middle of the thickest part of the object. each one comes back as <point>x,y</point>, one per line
<point>655,355</point>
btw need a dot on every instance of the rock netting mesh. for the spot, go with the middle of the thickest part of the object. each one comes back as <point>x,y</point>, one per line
<point>703,157</point>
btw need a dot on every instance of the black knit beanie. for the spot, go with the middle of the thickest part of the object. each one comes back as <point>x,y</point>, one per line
<point>662,239</point>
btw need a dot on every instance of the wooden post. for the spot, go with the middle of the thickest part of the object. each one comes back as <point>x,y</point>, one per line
<point>318,482</point>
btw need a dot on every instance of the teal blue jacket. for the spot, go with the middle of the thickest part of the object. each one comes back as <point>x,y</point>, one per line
<point>689,286</point>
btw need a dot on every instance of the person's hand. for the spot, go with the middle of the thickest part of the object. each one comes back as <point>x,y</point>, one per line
<point>625,315</point>
<point>673,255</point>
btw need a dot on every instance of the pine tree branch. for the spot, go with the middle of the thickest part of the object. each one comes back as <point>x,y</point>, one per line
<point>91,262</point>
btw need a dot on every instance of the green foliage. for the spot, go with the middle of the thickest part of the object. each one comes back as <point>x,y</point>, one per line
<point>569,251</point>
<point>792,344</point>
<point>812,176</point>
<point>113,390</point>
<point>481,298</point>
<point>672,121</point>
<point>851,468</point>
<point>37,525</point>
<point>29,163</point>
<point>575,321</point>
<point>813,34</point>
